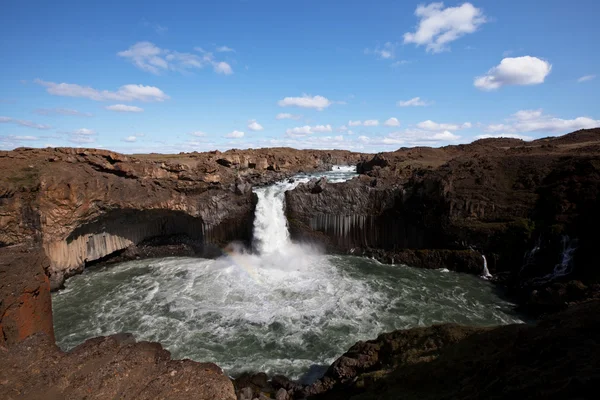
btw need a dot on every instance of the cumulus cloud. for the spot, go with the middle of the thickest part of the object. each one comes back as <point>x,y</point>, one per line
<point>392,122</point>
<point>130,139</point>
<point>287,116</point>
<point>524,70</point>
<point>306,101</point>
<point>438,26</point>
<point>124,108</point>
<point>354,123</point>
<point>22,122</point>
<point>151,58</point>
<point>124,93</point>
<point>414,102</point>
<point>586,78</point>
<point>537,121</point>
<point>371,122</point>
<point>225,49</point>
<point>308,130</point>
<point>254,126</point>
<point>235,135</point>
<point>62,111</point>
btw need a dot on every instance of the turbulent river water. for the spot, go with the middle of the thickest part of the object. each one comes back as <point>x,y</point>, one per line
<point>282,308</point>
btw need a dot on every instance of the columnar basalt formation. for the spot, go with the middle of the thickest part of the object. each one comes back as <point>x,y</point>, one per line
<point>522,204</point>
<point>82,205</point>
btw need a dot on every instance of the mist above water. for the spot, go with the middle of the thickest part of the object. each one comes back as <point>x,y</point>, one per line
<point>280,309</point>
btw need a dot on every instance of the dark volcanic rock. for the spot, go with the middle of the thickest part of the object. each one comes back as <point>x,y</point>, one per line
<point>557,358</point>
<point>503,198</point>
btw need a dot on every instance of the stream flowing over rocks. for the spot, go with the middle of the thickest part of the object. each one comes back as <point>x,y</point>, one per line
<point>284,308</point>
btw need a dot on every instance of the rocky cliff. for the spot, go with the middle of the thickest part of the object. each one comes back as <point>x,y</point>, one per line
<point>530,207</point>
<point>82,205</point>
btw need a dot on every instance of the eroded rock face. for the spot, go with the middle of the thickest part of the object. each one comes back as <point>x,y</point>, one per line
<point>82,205</point>
<point>104,368</point>
<point>25,302</point>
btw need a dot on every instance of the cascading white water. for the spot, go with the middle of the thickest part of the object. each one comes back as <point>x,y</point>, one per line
<point>486,272</point>
<point>282,309</point>
<point>270,225</point>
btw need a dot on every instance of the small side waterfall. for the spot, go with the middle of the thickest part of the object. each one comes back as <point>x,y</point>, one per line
<point>486,272</point>
<point>565,266</point>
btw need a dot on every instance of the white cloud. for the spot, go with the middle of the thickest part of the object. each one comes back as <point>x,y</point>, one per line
<point>222,68</point>
<point>81,139</point>
<point>385,52</point>
<point>151,58</point>
<point>524,70</point>
<point>225,49</point>
<point>22,122</point>
<point>26,138</point>
<point>306,101</point>
<point>235,135</point>
<point>371,122</point>
<point>429,125</point>
<point>414,102</point>
<point>84,131</point>
<point>287,116</point>
<point>445,136</point>
<point>438,26</point>
<point>124,93</point>
<point>398,63</point>
<point>124,108</point>
<point>308,130</point>
<point>62,111</point>
<point>354,123</point>
<point>254,126</point>
<point>537,121</point>
<point>130,139</point>
<point>392,122</point>
<point>586,78</point>
<point>198,133</point>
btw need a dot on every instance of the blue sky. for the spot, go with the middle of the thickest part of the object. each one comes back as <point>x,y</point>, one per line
<point>362,75</point>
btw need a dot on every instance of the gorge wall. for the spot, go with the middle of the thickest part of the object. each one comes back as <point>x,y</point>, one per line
<point>522,204</point>
<point>81,206</point>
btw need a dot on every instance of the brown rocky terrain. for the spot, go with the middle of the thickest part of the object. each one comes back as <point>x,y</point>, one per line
<point>524,205</point>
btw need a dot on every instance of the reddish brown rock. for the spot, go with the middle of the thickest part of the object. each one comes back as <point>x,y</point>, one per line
<point>25,302</point>
<point>106,368</point>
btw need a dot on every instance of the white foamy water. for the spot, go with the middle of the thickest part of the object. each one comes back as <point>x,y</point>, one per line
<point>283,309</point>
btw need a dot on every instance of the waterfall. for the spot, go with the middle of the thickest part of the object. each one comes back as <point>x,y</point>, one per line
<point>486,272</point>
<point>270,230</point>
<point>564,267</point>
<point>270,224</point>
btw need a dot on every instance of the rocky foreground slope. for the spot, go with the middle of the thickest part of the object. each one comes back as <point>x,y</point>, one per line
<point>531,208</point>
